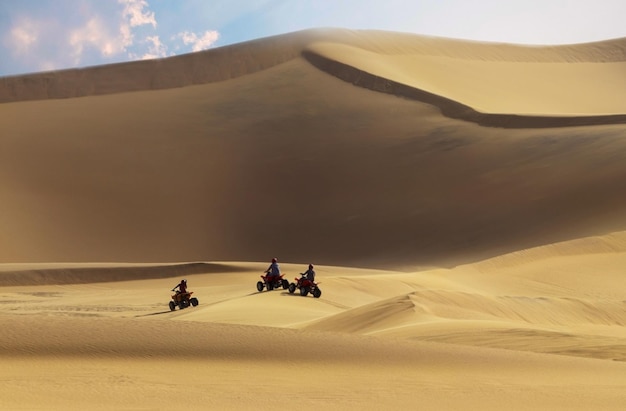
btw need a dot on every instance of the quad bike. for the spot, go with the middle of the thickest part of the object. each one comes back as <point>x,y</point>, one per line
<point>305,286</point>
<point>272,282</point>
<point>182,300</point>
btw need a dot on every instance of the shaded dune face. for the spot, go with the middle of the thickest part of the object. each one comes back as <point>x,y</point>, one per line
<point>292,161</point>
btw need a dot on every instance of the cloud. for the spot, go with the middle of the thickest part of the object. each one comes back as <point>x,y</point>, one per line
<point>134,16</point>
<point>94,34</point>
<point>135,13</point>
<point>23,36</point>
<point>199,42</point>
<point>156,49</point>
<point>131,37</point>
<point>57,35</point>
<point>47,66</point>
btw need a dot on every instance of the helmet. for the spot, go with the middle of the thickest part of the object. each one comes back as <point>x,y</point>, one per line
<point>184,281</point>
<point>274,260</point>
<point>310,266</point>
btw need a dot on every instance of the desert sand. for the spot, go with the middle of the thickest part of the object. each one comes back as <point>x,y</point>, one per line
<point>463,203</point>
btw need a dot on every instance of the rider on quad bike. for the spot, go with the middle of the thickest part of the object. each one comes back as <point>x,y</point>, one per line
<point>306,284</point>
<point>182,286</point>
<point>272,278</point>
<point>273,270</point>
<point>309,274</point>
<point>182,298</point>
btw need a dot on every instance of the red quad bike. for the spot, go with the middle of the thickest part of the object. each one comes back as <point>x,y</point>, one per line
<point>305,286</point>
<point>182,300</point>
<point>278,281</point>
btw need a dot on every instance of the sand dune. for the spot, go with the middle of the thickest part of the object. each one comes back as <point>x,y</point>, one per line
<point>363,178</point>
<point>482,332</point>
<point>463,203</point>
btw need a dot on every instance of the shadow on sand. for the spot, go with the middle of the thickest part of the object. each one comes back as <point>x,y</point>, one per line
<point>151,314</point>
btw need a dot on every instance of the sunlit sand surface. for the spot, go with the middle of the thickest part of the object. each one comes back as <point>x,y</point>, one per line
<point>463,203</point>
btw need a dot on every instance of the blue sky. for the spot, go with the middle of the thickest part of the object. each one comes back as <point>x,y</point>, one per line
<point>41,35</point>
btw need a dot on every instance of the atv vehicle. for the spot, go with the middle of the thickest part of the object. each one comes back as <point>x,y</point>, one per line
<point>272,282</point>
<point>182,300</point>
<point>305,286</point>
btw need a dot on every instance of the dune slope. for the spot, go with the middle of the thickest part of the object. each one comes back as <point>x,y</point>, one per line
<point>478,335</point>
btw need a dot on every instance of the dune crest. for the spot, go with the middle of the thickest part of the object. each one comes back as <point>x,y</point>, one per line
<point>612,243</point>
<point>505,92</point>
<point>204,67</point>
<point>48,274</point>
<point>490,84</point>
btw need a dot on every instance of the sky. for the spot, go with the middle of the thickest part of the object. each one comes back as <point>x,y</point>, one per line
<point>43,35</point>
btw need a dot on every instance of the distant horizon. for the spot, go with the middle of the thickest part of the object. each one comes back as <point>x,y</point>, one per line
<point>44,35</point>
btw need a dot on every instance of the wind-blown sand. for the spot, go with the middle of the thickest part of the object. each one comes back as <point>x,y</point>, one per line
<point>463,202</point>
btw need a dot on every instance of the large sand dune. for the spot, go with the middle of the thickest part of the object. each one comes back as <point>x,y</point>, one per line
<point>463,202</point>
<point>291,161</point>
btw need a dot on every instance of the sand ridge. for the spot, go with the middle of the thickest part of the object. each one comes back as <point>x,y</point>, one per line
<point>493,84</point>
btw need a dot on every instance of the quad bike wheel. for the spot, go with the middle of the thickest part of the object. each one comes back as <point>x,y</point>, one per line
<point>304,291</point>
<point>183,304</point>
<point>259,286</point>
<point>317,293</point>
<point>285,284</point>
<point>172,305</point>
<point>270,286</point>
<point>292,288</point>
<point>194,301</point>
